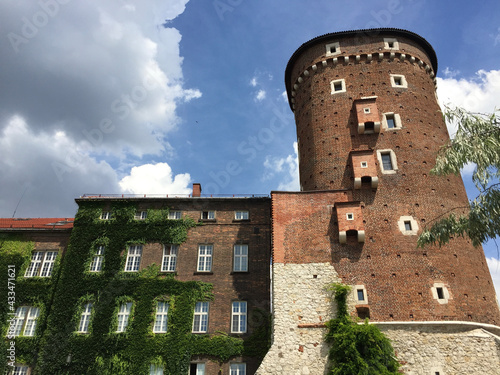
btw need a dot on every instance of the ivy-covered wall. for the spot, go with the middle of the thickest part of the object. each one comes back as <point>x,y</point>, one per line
<point>102,351</point>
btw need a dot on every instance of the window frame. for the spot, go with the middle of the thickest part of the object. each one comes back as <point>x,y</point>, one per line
<point>131,262</point>
<point>239,317</point>
<point>40,265</point>
<point>401,78</point>
<point>205,261</point>
<point>106,215</point>
<point>243,213</point>
<point>141,215</point>
<point>210,215</point>
<point>240,260</point>
<point>394,41</point>
<point>200,317</point>
<point>155,369</point>
<point>342,85</point>
<point>97,261</point>
<point>362,289</point>
<point>20,369</point>
<point>393,161</point>
<point>396,118</point>
<point>125,315</point>
<point>162,323</point>
<point>175,215</point>
<point>169,259</point>
<point>85,318</point>
<point>329,46</point>
<point>25,323</point>
<point>200,368</point>
<point>235,368</point>
<point>402,225</point>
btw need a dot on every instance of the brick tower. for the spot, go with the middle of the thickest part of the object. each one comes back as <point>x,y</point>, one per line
<point>369,128</point>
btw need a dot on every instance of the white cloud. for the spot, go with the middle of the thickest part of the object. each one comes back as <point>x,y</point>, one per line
<point>261,95</point>
<point>477,94</point>
<point>155,179</point>
<point>287,170</point>
<point>494,266</point>
<point>253,82</point>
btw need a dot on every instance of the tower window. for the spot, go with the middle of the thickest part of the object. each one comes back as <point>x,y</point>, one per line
<point>361,295</point>
<point>387,161</point>
<point>333,49</point>
<point>391,121</point>
<point>399,81</point>
<point>349,216</point>
<point>366,110</point>
<point>364,164</point>
<point>440,293</point>
<point>391,43</point>
<point>407,225</point>
<point>338,86</point>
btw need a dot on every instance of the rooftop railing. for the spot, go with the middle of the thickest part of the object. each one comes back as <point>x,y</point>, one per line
<point>94,196</point>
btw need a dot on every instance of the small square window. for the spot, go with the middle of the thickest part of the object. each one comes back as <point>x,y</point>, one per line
<point>364,164</point>
<point>366,110</point>
<point>391,121</point>
<point>332,49</point>
<point>338,86</point>
<point>391,43</point>
<point>440,293</point>
<point>399,81</point>
<point>350,216</point>
<point>208,215</point>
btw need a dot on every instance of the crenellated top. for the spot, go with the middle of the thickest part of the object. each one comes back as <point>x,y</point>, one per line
<point>361,46</point>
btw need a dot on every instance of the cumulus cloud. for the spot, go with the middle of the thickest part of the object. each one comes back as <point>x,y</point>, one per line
<point>155,179</point>
<point>261,95</point>
<point>286,169</point>
<point>83,82</point>
<point>476,94</point>
<point>253,82</point>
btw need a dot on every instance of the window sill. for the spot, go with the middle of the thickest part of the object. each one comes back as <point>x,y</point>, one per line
<point>203,273</point>
<point>207,220</point>
<point>239,272</point>
<point>241,220</point>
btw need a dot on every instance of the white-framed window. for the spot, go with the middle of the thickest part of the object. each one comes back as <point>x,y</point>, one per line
<point>391,43</point>
<point>20,370</point>
<point>141,215</point>
<point>349,216</point>
<point>161,317</point>
<point>391,121</point>
<point>106,215</point>
<point>360,295</point>
<point>83,325</point>
<point>42,264</point>
<point>366,110</point>
<point>440,293</point>
<point>241,215</point>
<point>408,225</point>
<point>239,317</point>
<point>387,161</point>
<point>364,164</point>
<point>123,315</point>
<point>238,369</point>
<point>240,258</point>
<point>200,319</point>
<point>399,81</point>
<point>25,321</point>
<point>197,369</point>
<point>338,86</point>
<point>155,369</point>
<point>97,259</point>
<point>205,253</point>
<point>332,49</point>
<point>207,215</point>
<point>169,261</point>
<point>133,261</point>
<point>175,215</point>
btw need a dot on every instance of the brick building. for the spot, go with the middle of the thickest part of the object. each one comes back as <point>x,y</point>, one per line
<point>182,284</point>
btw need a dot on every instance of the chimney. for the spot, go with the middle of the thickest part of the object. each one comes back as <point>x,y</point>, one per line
<point>196,189</point>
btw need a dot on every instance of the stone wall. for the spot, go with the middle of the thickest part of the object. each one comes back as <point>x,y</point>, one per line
<point>301,303</point>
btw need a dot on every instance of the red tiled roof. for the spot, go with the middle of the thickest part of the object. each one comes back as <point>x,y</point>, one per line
<point>37,223</point>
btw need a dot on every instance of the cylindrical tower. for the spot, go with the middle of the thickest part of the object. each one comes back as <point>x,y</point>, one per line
<point>368,122</point>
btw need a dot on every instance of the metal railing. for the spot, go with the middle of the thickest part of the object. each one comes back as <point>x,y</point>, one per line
<point>93,196</point>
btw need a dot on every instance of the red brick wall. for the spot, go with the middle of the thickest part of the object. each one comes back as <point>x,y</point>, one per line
<point>397,275</point>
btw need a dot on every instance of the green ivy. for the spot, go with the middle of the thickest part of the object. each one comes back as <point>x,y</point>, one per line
<point>357,349</point>
<point>103,351</point>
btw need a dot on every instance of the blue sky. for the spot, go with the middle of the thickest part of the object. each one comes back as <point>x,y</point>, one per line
<point>149,97</point>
